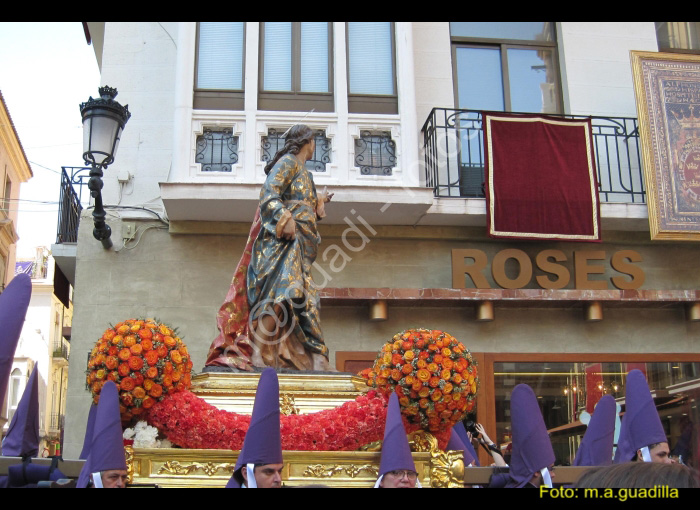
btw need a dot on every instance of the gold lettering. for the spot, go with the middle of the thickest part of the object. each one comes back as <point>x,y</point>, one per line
<point>542,261</point>
<point>619,263</point>
<point>498,269</point>
<point>582,269</point>
<point>475,270</point>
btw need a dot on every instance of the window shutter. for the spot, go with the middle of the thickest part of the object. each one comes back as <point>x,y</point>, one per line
<point>220,57</point>
<point>370,57</point>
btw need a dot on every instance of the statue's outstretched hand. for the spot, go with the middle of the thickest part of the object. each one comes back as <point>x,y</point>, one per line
<point>323,198</point>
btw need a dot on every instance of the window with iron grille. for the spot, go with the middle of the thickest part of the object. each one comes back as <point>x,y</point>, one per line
<point>375,153</point>
<point>274,141</point>
<point>217,150</point>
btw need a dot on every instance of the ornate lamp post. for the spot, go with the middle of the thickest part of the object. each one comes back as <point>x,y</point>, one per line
<point>103,122</point>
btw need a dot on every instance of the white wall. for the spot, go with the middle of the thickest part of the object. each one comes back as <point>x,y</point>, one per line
<point>139,60</point>
<point>595,62</point>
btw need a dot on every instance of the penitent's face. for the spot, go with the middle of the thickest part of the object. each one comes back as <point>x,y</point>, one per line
<point>114,479</point>
<point>661,454</point>
<point>399,479</point>
<point>269,476</point>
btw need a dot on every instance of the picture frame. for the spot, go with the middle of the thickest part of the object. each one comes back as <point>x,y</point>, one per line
<point>667,90</point>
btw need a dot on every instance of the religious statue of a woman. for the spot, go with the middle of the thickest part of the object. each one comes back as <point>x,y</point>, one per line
<point>271,314</point>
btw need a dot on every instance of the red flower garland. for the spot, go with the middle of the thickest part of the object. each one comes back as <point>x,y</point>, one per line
<point>190,422</point>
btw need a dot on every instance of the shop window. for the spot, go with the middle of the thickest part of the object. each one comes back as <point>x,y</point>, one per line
<point>296,66</point>
<point>505,66</point>
<point>568,391</point>
<point>274,141</point>
<point>678,36</point>
<point>219,66</point>
<point>371,68</point>
<point>217,150</point>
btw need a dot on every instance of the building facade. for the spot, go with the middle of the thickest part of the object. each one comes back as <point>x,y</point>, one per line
<point>15,170</point>
<point>209,102</point>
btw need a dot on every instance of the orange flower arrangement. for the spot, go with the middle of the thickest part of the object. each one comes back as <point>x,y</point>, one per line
<point>145,359</point>
<point>433,374</point>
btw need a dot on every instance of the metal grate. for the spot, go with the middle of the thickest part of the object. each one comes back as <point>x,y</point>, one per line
<point>217,150</point>
<point>375,153</point>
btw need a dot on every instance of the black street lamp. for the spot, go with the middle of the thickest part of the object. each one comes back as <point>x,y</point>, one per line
<point>103,122</point>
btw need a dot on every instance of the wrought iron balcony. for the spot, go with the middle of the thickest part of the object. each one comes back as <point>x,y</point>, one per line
<point>61,349</point>
<point>57,421</point>
<point>454,155</point>
<point>70,203</point>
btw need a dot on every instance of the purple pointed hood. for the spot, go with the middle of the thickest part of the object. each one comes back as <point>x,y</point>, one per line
<point>456,443</point>
<point>396,453</point>
<point>107,448</point>
<point>532,449</point>
<point>641,425</point>
<point>14,302</point>
<point>87,442</point>
<point>462,433</point>
<point>596,448</point>
<point>22,438</point>
<point>262,443</point>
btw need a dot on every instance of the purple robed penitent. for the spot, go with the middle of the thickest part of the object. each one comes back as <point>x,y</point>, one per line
<point>396,452</point>
<point>262,443</point>
<point>532,448</point>
<point>22,438</point>
<point>14,302</point>
<point>596,447</point>
<point>107,445</point>
<point>462,433</point>
<point>641,425</point>
<point>87,441</point>
<point>456,443</point>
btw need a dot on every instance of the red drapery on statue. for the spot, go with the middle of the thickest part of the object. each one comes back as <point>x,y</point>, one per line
<point>541,180</point>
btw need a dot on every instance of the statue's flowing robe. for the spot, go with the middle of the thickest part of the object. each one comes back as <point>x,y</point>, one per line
<point>278,324</point>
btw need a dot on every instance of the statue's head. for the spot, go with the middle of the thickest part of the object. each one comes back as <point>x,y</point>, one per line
<point>294,139</point>
<point>298,136</point>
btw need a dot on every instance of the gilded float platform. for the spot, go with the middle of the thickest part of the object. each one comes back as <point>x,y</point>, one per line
<point>307,392</point>
<point>179,468</point>
<point>300,393</point>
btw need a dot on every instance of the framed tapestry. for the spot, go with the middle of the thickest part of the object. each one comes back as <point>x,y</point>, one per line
<point>667,88</point>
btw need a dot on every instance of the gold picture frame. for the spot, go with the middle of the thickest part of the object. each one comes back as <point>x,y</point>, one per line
<point>667,89</point>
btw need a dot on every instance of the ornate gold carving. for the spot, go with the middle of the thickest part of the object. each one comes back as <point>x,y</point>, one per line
<point>129,454</point>
<point>288,405</point>
<point>173,467</point>
<point>326,471</point>
<point>422,441</point>
<point>447,469</point>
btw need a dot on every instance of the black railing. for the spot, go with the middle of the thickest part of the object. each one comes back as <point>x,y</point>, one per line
<point>60,349</point>
<point>57,421</point>
<point>454,155</point>
<point>70,203</point>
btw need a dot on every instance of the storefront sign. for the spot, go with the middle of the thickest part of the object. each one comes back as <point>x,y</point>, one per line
<point>472,264</point>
